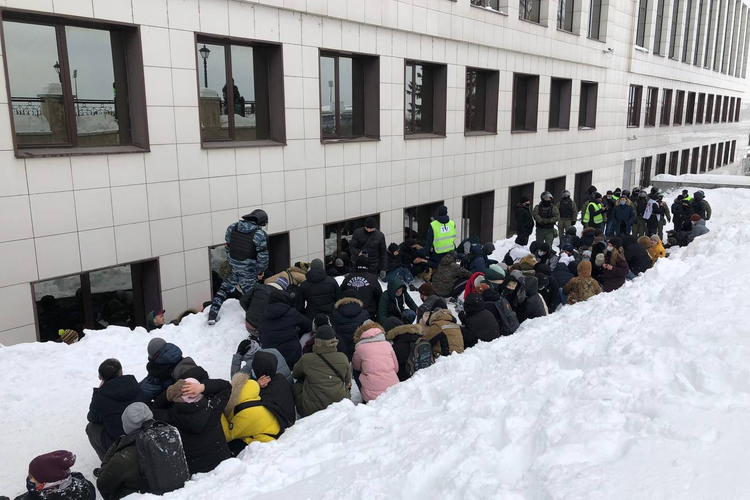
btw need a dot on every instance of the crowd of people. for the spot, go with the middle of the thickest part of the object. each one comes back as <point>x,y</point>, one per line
<point>311,338</point>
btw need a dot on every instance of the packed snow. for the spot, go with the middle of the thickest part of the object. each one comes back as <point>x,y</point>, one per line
<point>643,393</point>
<point>707,179</point>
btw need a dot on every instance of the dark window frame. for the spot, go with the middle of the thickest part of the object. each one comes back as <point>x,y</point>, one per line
<point>712,157</point>
<point>484,101</point>
<point>679,108</point>
<point>560,98</point>
<point>484,4</point>
<point>565,14</point>
<point>686,33</point>
<point>709,33</point>
<point>717,109</point>
<point>640,33</point>
<point>685,161</point>
<point>709,108</point>
<point>635,99</point>
<point>439,96</point>
<point>530,107</point>
<point>700,108</point>
<point>726,152</point>
<point>652,99</point>
<point>724,109</point>
<point>704,159</point>
<point>690,109</point>
<point>595,10</point>
<point>273,117</point>
<point>131,56</point>
<point>588,102</point>
<point>673,29</point>
<point>666,108</point>
<point>698,33</point>
<point>737,106</point>
<point>339,226</point>
<point>661,163</point>
<point>734,150</point>
<point>522,11</point>
<point>659,23</point>
<point>694,157</point>
<point>731,110</point>
<point>674,162</point>
<point>369,77</point>
<point>720,155</point>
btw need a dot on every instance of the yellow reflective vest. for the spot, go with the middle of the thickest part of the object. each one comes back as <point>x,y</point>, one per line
<point>443,236</point>
<point>598,218</point>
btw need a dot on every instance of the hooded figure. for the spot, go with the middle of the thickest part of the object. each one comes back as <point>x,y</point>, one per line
<point>164,359</point>
<point>365,285</point>
<point>348,315</point>
<point>50,478</point>
<point>582,287</point>
<point>524,218</point>
<point>441,321</point>
<point>699,228</point>
<point>395,300</point>
<point>282,326</point>
<point>375,359</point>
<point>276,395</point>
<point>549,288</point>
<point>636,256</point>
<point>614,278</point>
<point>403,337</point>
<point>514,290</point>
<point>318,293</point>
<point>533,306</point>
<point>254,423</point>
<point>479,323</point>
<point>448,275</point>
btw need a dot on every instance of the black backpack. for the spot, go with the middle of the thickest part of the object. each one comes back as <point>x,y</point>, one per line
<point>275,410</point>
<point>242,245</point>
<point>507,319</point>
<point>420,356</point>
<point>161,458</point>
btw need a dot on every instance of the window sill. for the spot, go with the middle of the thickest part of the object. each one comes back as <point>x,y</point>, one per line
<point>586,128</point>
<point>558,129</point>
<point>596,39</point>
<point>489,10</point>
<point>660,55</point>
<point>535,23</point>
<point>334,140</point>
<point>87,151</point>
<point>568,32</point>
<point>470,133</point>
<point>240,144</point>
<point>633,126</point>
<point>523,131</point>
<point>641,49</point>
<point>409,137</point>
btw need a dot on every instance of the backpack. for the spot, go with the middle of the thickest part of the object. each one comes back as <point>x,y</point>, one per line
<point>275,410</point>
<point>161,458</point>
<point>242,245</point>
<point>586,289</point>
<point>507,319</point>
<point>420,356</point>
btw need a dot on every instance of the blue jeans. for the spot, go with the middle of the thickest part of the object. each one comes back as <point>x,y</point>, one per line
<point>401,273</point>
<point>630,275</point>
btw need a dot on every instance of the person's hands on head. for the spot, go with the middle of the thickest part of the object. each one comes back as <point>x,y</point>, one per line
<point>244,347</point>
<point>191,389</point>
<point>263,381</point>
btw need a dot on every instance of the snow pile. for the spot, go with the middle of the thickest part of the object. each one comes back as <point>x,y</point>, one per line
<point>643,393</point>
<point>30,124</point>
<point>708,179</point>
<point>96,124</point>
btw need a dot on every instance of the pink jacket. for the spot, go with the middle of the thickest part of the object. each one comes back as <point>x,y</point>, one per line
<point>374,357</point>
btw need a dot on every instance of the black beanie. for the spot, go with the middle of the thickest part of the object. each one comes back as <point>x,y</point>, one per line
<point>391,322</point>
<point>393,247</point>
<point>370,223</point>
<point>525,199</point>
<point>325,332</point>
<point>361,262</point>
<point>443,210</point>
<point>616,242</point>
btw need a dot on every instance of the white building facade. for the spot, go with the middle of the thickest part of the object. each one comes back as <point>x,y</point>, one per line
<point>133,132</point>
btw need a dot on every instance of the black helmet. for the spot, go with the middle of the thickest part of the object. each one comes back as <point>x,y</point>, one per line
<point>260,217</point>
<point>546,194</point>
<point>566,194</point>
<point>596,195</point>
<point>642,194</point>
<point>625,192</point>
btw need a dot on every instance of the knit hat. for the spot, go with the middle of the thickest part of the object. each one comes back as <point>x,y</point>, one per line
<point>587,253</point>
<point>571,231</point>
<point>695,218</point>
<point>265,363</point>
<point>393,247</point>
<point>155,345</point>
<point>616,242</point>
<point>495,276</point>
<point>339,263</point>
<point>362,262</point>
<point>174,391</point>
<point>568,248</point>
<point>320,320</point>
<point>371,223</point>
<point>391,322</point>
<point>68,336</point>
<point>52,467</point>
<point>599,259</point>
<point>283,282</point>
<point>325,332</point>
<point>443,210</point>
<point>426,289</point>
<point>524,199</point>
<point>317,264</point>
<point>134,416</point>
<point>350,293</point>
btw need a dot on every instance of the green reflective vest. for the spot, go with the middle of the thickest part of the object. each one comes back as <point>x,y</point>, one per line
<point>598,218</point>
<point>444,236</point>
<point>688,198</point>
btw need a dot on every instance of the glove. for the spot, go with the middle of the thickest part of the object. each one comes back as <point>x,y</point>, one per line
<point>382,275</point>
<point>244,347</point>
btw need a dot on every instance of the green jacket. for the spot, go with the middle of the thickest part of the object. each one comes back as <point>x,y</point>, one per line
<point>121,473</point>
<point>392,305</point>
<point>446,276</point>
<point>320,386</point>
<point>546,222</point>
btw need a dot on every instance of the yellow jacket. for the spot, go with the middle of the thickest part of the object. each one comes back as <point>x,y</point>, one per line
<point>657,251</point>
<point>251,424</point>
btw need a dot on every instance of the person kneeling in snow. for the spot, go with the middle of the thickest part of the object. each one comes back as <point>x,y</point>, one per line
<point>375,359</point>
<point>479,323</point>
<point>324,376</point>
<point>582,287</point>
<point>50,478</point>
<point>164,359</point>
<point>246,352</point>
<point>405,339</point>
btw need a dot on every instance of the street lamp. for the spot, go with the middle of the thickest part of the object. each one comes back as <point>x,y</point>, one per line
<point>204,52</point>
<point>57,70</point>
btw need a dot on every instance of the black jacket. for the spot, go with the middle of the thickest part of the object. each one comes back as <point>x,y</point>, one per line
<point>277,396</point>
<point>479,323</point>
<point>403,338</point>
<point>348,315</point>
<point>524,220</point>
<point>374,244</point>
<point>551,291</point>
<point>533,306</point>
<point>562,274</point>
<point>281,328</point>
<point>317,294</point>
<point>254,302</point>
<point>108,403</point>
<point>636,256</point>
<point>199,425</point>
<point>79,488</point>
<point>120,472</point>
<point>367,287</point>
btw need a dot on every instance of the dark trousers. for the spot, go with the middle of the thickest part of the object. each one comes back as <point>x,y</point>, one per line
<point>95,433</point>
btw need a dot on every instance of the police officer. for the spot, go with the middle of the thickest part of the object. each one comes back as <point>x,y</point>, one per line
<point>441,235</point>
<point>247,254</point>
<point>546,215</point>
<point>639,228</point>
<point>568,211</point>
<point>593,214</point>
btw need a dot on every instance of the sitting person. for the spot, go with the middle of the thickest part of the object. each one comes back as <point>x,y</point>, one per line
<point>699,227</point>
<point>115,393</point>
<point>163,359</point>
<point>636,256</point>
<point>657,250</point>
<point>244,420</point>
<point>479,323</point>
<point>246,352</point>
<point>449,279</point>
<point>275,391</point>
<point>318,293</point>
<point>403,339</point>
<point>50,478</point>
<point>282,326</point>
<point>582,287</point>
<point>395,301</point>
<point>615,268</point>
<point>365,285</point>
<point>441,320</point>
<point>348,314</point>
<point>195,409</point>
<point>427,296</point>
<point>324,376</point>
<point>534,305</point>
<point>375,359</point>
<point>254,302</point>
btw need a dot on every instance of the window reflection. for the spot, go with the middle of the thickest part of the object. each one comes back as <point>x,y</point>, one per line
<point>346,104</point>
<point>213,92</point>
<point>243,76</point>
<point>328,95</point>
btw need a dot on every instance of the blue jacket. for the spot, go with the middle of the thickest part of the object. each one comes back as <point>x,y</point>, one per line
<point>620,214</point>
<point>281,328</point>
<point>261,244</point>
<point>160,369</point>
<point>478,261</point>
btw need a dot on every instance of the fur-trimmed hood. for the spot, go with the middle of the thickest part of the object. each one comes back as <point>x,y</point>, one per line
<point>363,328</point>
<point>441,315</point>
<point>590,231</point>
<point>403,330</point>
<point>348,300</point>
<point>238,382</point>
<point>527,263</point>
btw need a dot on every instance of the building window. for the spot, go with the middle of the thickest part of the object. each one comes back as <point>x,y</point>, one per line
<point>720,156</point>
<point>694,161</point>
<point>530,10</point>
<point>690,111</point>
<point>652,96</point>
<point>336,235</point>
<point>640,33</point>
<point>525,102</point>
<point>587,105</point>
<point>734,150</point>
<point>250,108</point>
<point>595,19</point>
<point>709,36</point>
<point>712,157</point>
<point>634,105</point>
<point>717,109</point>
<point>673,157</point>
<point>666,107</point>
<point>685,162</point>
<point>661,163</point>
<point>704,159</point>
<point>685,36</point>
<point>737,110</point>
<point>717,41</point>
<point>725,109</point>
<point>709,108</point>
<point>699,109</point>
<point>673,30</point>
<point>646,170</point>
<point>487,4</point>
<point>561,90</point>
<point>74,84</point>
<point>565,15</point>
<point>349,96</point>
<point>417,219</point>
<point>731,109</point>
<point>425,98</point>
<point>726,153</point>
<point>481,100</point>
<point>679,107</point>
<point>699,22</point>
<point>659,21</point>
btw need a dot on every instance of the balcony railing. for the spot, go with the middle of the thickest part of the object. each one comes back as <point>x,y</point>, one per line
<point>32,106</point>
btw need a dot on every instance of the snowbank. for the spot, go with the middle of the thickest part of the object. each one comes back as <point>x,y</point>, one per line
<point>704,179</point>
<point>639,394</point>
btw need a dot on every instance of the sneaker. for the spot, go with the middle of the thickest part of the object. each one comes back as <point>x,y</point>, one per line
<point>211,322</point>
<point>412,288</point>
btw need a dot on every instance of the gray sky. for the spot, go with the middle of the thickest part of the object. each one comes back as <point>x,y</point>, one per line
<point>242,69</point>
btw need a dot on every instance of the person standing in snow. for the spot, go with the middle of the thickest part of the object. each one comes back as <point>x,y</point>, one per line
<point>247,254</point>
<point>50,478</point>
<point>701,206</point>
<point>441,235</point>
<point>568,211</point>
<point>365,285</point>
<point>652,214</point>
<point>546,216</point>
<point>369,242</point>
<point>375,359</point>
<point>524,219</point>
<point>115,393</point>
<point>593,212</point>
